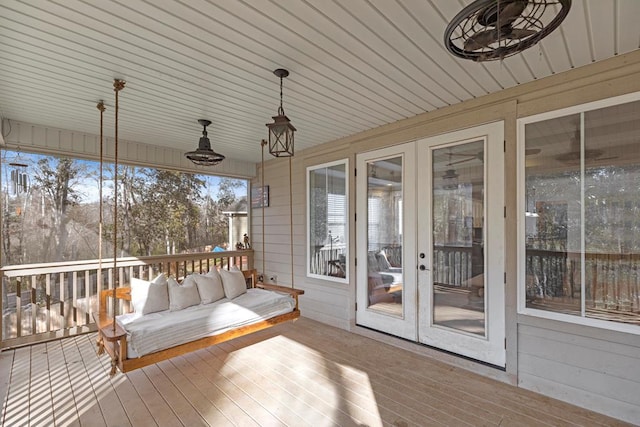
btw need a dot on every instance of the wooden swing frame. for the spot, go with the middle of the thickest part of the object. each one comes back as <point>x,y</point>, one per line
<point>114,342</point>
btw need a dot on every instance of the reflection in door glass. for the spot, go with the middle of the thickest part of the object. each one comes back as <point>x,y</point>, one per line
<point>458,237</point>
<point>384,235</point>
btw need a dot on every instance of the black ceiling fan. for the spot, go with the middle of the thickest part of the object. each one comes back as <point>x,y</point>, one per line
<point>573,156</point>
<point>488,30</point>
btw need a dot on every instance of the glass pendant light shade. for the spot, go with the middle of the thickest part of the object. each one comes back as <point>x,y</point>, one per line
<point>204,155</point>
<point>281,131</point>
<point>281,136</point>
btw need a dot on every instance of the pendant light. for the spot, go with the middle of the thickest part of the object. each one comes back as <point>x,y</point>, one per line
<point>204,155</point>
<point>281,130</point>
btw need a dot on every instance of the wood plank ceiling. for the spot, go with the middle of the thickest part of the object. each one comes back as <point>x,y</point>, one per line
<point>355,64</point>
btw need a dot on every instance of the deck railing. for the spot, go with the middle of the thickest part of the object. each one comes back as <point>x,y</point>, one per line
<point>612,280</point>
<point>452,266</point>
<point>52,300</point>
<point>328,262</point>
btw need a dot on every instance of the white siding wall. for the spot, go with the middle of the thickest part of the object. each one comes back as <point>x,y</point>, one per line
<point>589,367</point>
<point>581,365</point>
<point>325,301</point>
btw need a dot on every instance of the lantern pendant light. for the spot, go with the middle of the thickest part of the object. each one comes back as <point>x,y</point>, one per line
<point>281,131</point>
<point>204,155</point>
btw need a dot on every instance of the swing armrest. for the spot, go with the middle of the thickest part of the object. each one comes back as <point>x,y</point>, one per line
<point>279,288</point>
<point>291,291</point>
<point>105,325</point>
<point>103,321</point>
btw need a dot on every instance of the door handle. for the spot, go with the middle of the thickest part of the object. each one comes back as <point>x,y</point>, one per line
<point>422,267</point>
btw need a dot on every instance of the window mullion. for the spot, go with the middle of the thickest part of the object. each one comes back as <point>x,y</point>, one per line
<point>583,267</point>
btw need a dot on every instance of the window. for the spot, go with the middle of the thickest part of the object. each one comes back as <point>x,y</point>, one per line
<point>580,215</point>
<point>327,207</point>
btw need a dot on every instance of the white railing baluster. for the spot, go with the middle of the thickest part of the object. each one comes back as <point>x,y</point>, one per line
<point>47,278</point>
<point>87,297</point>
<point>34,305</point>
<point>18,307</point>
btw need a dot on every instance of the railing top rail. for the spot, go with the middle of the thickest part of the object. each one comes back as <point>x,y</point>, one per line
<point>107,263</point>
<point>588,255</point>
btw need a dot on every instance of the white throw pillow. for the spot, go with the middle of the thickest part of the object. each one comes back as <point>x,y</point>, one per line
<point>233,283</point>
<point>149,297</point>
<point>209,287</point>
<point>183,295</point>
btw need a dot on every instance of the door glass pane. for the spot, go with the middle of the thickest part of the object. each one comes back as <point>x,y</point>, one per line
<point>384,235</point>
<point>458,237</point>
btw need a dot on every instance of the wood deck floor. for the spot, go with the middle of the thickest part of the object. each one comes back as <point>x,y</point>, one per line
<point>302,374</point>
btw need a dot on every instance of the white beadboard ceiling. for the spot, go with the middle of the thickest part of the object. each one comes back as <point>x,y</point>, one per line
<point>354,64</point>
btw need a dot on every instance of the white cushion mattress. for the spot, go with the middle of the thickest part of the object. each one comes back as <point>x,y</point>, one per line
<point>158,331</point>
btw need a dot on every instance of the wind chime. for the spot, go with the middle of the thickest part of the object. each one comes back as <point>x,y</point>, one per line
<point>19,181</point>
<point>19,178</point>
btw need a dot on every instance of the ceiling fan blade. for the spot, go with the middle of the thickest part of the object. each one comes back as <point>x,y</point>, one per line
<point>505,11</point>
<point>464,154</point>
<point>512,11</point>
<point>481,39</point>
<point>461,161</point>
<point>519,33</point>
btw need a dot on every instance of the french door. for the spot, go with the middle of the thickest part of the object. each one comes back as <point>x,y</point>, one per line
<point>387,289</point>
<point>430,232</point>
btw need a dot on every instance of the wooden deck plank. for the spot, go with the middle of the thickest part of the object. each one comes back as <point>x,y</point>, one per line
<point>213,394</point>
<point>295,378</point>
<point>354,387</point>
<point>501,398</point>
<point>414,395</point>
<point>64,406</point>
<point>244,362</point>
<point>325,396</point>
<point>6,364</point>
<point>40,396</point>
<point>137,414</point>
<point>265,394</point>
<point>160,410</point>
<point>17,404</point>
<point>110,404</point>
<point>297,374</point>
<point>183,409</point>
<point>211,369</point>
<point>208,411</point>
<point>385,366</point>
<point>86,401</point>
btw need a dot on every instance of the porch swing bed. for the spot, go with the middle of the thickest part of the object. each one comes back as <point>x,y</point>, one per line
<point>138,339</point>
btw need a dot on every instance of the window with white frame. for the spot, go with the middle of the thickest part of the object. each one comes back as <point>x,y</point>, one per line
<point>327,221</point>
<point>580,214</point>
